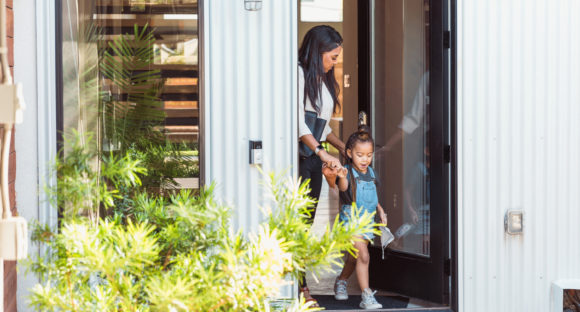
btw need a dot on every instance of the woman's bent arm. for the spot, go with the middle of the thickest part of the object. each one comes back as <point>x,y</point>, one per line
<point>336,142</point>
<point>330,160</point>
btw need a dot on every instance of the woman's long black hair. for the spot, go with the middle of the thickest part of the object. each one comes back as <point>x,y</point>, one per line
<point>318,40</point>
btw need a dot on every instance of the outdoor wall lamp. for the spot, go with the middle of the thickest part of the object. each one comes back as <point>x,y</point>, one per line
<point>514,222</point>
<point>253,5</point>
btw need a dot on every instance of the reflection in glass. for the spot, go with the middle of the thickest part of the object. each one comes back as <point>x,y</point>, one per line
<point>130,79</point>
<point>400,105</point>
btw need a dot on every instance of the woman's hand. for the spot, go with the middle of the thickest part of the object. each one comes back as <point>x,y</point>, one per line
<point>331,161</point>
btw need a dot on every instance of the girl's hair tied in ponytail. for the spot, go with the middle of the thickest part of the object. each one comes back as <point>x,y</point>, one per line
<point>363,132</point>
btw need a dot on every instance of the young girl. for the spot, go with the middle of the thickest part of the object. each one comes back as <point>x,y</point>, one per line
<point>356,182</point>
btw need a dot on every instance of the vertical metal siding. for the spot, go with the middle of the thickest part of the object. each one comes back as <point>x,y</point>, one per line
<point>518,123</point>
<point>250,69</point>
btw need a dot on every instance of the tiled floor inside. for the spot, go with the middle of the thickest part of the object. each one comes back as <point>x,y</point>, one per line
<point>325,214</point>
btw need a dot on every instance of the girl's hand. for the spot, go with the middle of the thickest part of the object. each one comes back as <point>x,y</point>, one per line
<point>382,216</point>
<point>342,172</point>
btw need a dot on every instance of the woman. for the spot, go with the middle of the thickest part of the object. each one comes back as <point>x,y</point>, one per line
<point>318,98</point>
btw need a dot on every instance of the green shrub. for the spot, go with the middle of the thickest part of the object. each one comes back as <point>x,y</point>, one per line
<point>175,253</point>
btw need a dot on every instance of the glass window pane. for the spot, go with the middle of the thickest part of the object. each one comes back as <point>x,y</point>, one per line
<point>401,121</point>
<point>130,78</point>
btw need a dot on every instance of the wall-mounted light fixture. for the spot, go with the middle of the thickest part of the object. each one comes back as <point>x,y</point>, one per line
<point>514,222</point>
<point>253,5</point>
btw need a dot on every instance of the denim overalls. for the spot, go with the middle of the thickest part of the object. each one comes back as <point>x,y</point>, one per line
<point>366,197</point>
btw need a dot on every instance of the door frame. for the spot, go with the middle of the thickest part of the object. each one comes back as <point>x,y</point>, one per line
<point>454,299</point>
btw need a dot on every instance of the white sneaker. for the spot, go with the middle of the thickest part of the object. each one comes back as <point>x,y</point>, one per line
<point>340,292</point>
<point>368,300</point>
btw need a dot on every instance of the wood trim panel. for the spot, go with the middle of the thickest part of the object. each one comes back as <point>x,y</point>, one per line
<point>10,286</point>
<point>10,42</point>
<point>10,274</point>
<point>9,23</point>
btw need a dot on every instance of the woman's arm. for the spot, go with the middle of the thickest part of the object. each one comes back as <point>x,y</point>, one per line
<point>336,142</point>
<point>311,142</point>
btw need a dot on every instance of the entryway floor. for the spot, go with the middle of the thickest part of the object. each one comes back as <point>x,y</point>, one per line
<point>325,214</point>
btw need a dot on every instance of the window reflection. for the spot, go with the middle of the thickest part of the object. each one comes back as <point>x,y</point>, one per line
<point>130,78</point>
<point>401,106</point>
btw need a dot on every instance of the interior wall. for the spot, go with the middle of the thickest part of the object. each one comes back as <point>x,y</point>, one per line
<point>350,66</point>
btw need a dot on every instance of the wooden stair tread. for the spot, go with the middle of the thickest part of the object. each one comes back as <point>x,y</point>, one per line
<point>151,22</point>
<point>181,82</point>
<point>188,128</point>
<point>181,113</point>
<point>180,105</point>
<point>148,7</point>
<point>151,3</point>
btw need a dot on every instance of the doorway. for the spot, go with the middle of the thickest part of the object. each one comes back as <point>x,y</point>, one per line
<point>394,68</point>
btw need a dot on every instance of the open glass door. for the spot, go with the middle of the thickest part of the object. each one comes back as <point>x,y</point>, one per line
<point>408,115</point>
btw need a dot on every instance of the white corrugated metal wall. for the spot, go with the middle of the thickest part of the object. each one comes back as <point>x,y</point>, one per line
<point>250,78</point>
<point>518,65</point>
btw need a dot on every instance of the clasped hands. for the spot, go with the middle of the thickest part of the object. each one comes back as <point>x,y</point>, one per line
<point>331,169</point>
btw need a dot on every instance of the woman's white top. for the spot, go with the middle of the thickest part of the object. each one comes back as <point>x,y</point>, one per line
<point>325,103</point>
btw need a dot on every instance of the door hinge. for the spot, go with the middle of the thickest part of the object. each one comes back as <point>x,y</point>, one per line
<point>447,267</point>
<point>447,154</point>
<point>447,39</point>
